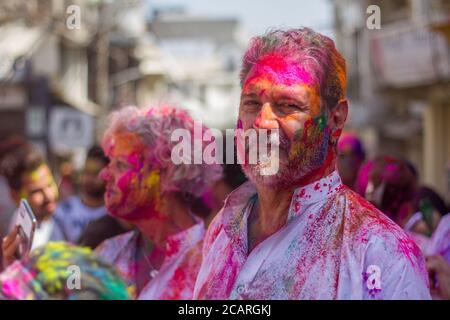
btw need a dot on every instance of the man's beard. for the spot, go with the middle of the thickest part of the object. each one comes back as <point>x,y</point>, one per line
<point>294,165</point>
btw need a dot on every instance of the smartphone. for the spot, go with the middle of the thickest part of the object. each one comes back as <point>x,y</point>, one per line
<point>26,221</point>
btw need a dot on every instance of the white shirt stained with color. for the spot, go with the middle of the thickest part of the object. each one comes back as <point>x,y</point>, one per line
<point>335,245</point>
<point>175,279</point>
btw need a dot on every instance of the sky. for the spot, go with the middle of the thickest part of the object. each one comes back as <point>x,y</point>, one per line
<point>257,16</point>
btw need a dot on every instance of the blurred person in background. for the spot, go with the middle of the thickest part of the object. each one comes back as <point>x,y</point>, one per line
<point>439,277</point>
<point>428,204</point>
<point>391,184</point>
<point>59,271</point>
<point>101,229</point>
<point>351,155</point>
<point>7,205</point>
<point>77,211</point>
<point>161,257</point>
<point>29,177</point>
<point>437,250</point>
<point>66,184</point>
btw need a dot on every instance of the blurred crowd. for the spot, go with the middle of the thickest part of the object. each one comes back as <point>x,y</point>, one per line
<point>72,219</point>
<point>81,219</point>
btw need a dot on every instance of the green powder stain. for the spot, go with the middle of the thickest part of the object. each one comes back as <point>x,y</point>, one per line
<point>321,121</point>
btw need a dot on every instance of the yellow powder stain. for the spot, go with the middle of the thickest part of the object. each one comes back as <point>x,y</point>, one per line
<point>152,179</point>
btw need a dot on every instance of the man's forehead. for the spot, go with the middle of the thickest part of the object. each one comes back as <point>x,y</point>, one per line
<point>40,175</point>
<point>279,69</point>
<point>260,87</point>
<point>122,143</point>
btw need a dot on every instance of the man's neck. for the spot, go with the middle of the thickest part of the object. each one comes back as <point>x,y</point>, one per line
<point>271,211</point>
<point>171,219</point>
<point>273,204</point>
<point>42,219</point>
<point>326,169</point>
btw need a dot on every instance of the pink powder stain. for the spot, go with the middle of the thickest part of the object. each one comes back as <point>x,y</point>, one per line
<point>12,288</point>
<point>228,274</point>
<point>263,91</point>
<point>409,248</point>
<point>173,246</point>
<point>324,250</point>
<point>279,69</point>
<point>239,124</point>
<point>135,159</point>
<point>125,181</point>
<point>366,210</point>
<point>178,282</point>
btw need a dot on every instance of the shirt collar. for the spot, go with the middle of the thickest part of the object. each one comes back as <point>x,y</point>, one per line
<point>234,219</point>
<point>184,240</point>
<point>235,212</point>
<point>317,191</point>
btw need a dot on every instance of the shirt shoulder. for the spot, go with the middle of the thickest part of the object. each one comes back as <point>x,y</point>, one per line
<point>363,220</point>
<point>111,248</point>
<point>213,231</point>
<point>230,211</point>
<point>386,247</point>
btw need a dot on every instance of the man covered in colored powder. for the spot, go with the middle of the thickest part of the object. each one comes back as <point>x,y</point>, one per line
<point>144,187</point>
<point>300,233</point>
<point>351,156</point>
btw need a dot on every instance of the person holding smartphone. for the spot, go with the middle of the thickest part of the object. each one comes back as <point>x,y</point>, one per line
<point>29,177</point>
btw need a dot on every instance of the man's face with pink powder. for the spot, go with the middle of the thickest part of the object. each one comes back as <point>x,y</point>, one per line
<point>278,93</point>
<point>132,186</point>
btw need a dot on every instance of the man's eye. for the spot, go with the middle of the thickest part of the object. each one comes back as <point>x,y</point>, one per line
<point>33,192</point>
<point>251,103</point>
<point>290,106</point>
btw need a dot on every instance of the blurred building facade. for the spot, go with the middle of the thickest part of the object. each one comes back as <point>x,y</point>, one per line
<point>399,80</point>
<point>57,59</point>
<point>60,77</point>
<point>192,61</point>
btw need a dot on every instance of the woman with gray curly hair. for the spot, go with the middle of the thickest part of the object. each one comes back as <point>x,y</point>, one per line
<point>161,257</point>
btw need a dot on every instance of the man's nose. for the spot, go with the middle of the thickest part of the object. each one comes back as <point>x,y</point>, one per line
<point>266,118</point>
<point>48,194</point>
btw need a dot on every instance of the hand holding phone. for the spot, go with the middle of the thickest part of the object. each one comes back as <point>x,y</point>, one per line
<point>19,241</point>
<point>26,222</point>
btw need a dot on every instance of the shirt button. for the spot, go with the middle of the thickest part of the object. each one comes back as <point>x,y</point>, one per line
<point>241,289</point>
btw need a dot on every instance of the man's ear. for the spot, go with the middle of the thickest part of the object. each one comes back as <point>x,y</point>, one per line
<point>338,116</point>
